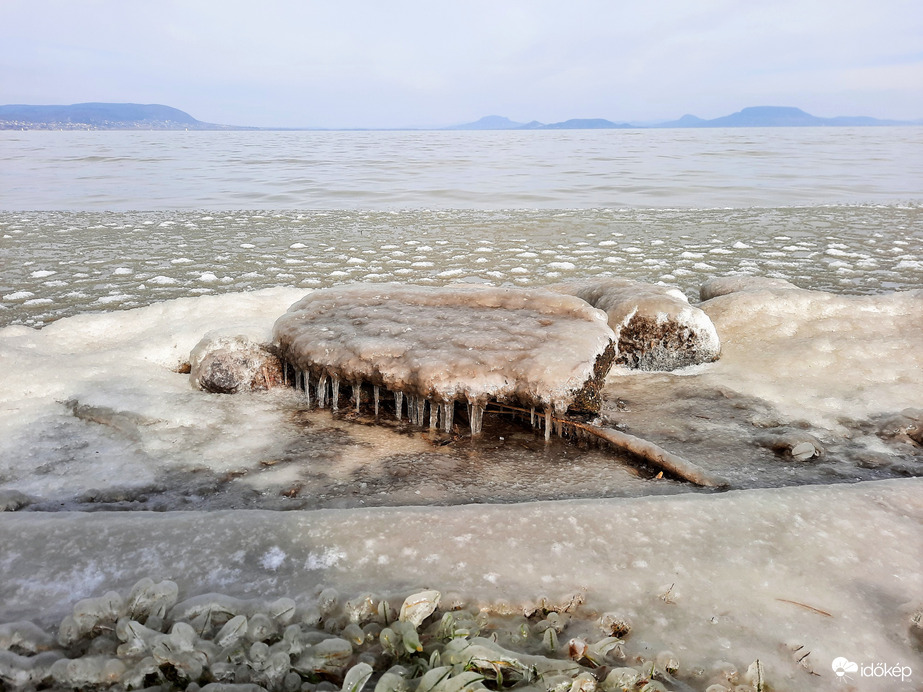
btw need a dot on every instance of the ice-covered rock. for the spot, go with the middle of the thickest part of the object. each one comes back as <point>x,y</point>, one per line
<point>798,445</point>
<point>473,344</point>
<point>656,328</point>
<point>229,361</point>
<point>723,285</point>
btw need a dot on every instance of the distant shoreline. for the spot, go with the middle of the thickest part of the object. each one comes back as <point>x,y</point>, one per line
<point>153,117</point>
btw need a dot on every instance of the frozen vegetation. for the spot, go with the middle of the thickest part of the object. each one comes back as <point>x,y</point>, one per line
<point>655,326</point>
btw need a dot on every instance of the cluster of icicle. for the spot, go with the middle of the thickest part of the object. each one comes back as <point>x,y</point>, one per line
<point>216,643</point>
<point>438,415</point>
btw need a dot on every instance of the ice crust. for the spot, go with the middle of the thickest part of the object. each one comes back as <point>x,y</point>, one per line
<point>459,343</point>
<point>92,407</point>
<point>735,561</point>
<point>655,326</point>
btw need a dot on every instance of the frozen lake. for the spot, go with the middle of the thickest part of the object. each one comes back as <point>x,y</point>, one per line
<point>119,251</point>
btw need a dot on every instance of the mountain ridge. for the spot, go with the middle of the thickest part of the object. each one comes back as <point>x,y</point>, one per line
<point>133,116</point>
<point>752,116</point>
<point>102,116</point>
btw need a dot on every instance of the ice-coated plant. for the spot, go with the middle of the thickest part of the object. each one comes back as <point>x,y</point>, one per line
<point>216,643</point>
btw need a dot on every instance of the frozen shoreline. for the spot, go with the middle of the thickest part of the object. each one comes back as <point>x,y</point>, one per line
<point>734,567</point>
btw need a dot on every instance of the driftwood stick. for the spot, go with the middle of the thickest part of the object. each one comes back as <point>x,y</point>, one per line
<point>657,456</point>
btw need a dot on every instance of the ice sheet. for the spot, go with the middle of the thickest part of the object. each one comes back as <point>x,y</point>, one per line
<point>92,414</point>
<point>95,400</point>
<point>767,574</point>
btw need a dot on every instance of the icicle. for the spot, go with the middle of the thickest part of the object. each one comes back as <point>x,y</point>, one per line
<point>322,390</point>
<point>477,418</point>
<point>558,425</point>
<point>421,410</point>
<point>375,397</point>
<point>335,396</point>
<point>547,424</point>
<point>285,374</point>
<point>307,386</point>
<point>448,414</point>
<point>434,415</point>
<point>532,416</point>
<point>398,403</point>
<point>357,394</point>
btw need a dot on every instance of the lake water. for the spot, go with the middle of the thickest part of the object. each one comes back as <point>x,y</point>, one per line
<point>577,169</point>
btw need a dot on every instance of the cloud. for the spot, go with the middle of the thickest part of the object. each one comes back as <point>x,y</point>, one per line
<point>410,62</point>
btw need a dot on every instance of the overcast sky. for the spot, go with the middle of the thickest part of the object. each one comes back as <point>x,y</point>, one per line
<point>418,63</point>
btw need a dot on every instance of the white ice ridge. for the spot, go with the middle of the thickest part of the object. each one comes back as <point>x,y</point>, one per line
<point>816,356</point>
<point>455,343</point>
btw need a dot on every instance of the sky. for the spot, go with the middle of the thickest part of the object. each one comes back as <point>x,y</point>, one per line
<point>434,63</point>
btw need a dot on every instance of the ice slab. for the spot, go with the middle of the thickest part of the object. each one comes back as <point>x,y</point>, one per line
<point>468,343</point>
<point>762,574</point>
<point>656,328</point>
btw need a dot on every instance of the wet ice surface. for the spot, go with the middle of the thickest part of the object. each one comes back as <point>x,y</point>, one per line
<point>56,264</point>
<point>443,346</point>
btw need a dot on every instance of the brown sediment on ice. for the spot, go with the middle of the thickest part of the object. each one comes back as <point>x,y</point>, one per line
<point>434,347</point>
<point>655,326</point>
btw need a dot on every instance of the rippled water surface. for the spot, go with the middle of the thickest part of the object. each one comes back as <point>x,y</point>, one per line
<point>741,167</point>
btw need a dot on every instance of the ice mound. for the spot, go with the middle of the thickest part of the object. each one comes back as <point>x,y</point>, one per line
<point>656,328</point>
<point>470,343</point>
<point>228,361</point>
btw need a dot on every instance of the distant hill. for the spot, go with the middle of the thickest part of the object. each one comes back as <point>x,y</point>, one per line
<point>586,124</point>
<point>777,116</point>
<point>498,122</point>
<point>101,116</point>
<point>490,122</point>
<point>756,116</point>
<point>134,116</point>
